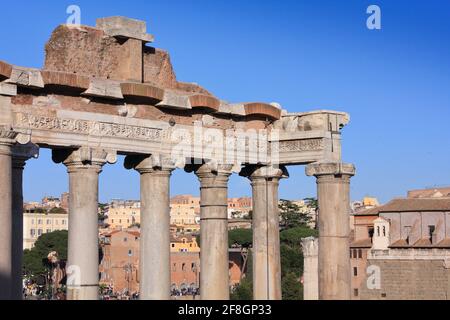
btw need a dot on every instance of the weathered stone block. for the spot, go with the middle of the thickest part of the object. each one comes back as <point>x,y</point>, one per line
<point>125,28</point>
<point>175,100</point>
<point>204,101</point>
<point>26,77</point>
<point>5,70</point>
<point>64,79</point>
<point>104,89</point>
<point>8,89</point>
<point>262,109</point>
<point>144,91</point>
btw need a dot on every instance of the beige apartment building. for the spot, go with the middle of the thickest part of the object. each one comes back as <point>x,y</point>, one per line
<point>185,210</point>
<point>36,224</point>
<point>123,214</point>
<point>239,208</point>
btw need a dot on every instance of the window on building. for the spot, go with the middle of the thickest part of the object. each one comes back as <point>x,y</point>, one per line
<point>183,267</point>
<point>63,222</point>
<point>355,292</point>
<point>378,231</point>
<point>407,232</point>
<point>370,231</point>
<point>360,254</point>
<point>112,220</point>
<point>32,232</point>
<point>32,221</point>
<point>355,271</point>
<point>173,245</point>
<point>39,232</point>
<point>39,221</point>
<point>125,239</point>
<point>48,221</point>
<point>431,230</point>
<point>174,267</point>
<point>193,266</point>
<point>384,231</point>
<point>130,252</point>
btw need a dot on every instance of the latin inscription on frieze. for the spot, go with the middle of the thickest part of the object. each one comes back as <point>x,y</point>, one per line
<point>301,145</point>
<point>88,127</point>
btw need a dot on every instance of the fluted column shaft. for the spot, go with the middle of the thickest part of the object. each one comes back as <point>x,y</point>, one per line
<point>154,262</point>
<point>214,260</point>
<point>333,192</point>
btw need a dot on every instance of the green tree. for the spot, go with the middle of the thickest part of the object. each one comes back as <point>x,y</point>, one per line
<point>244,291</point>
<point>57,210</point>
<point>241,237</point>
<point>291,215</point>
<point>35,260</point>
<point>291,287</point>
<point>293,236</point>
<point>291,260</point>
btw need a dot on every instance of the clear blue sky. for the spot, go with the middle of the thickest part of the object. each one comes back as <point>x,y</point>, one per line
<point>305,55</point>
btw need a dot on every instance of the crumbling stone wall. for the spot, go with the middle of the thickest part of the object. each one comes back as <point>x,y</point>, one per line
<point>89,52</point>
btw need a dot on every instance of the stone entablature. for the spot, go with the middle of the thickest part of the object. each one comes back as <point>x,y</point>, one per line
<point>84,96</point>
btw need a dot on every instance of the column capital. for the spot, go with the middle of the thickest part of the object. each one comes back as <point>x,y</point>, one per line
<point>310,247</point>
<point>10,135</point>
<point>211,174</point>
<point>210,169</point>
<point>319,169</point>
<point>22,153</point>
<point>84,158</point>
<point>150,164</point>
<point>7,138</point>
<point>264,172</point>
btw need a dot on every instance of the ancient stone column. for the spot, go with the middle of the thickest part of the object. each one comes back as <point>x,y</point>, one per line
<point>266,231</point>
<point>21,153</point>
<point>7,139</point>
<point>154,261</point>
<point>310,248</point>
<point>214,260</point>
<point>333,193</point>
<point>84,166</point>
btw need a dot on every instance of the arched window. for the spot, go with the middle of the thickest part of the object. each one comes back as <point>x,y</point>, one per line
<point>378,231</point>
<point>384,231</point>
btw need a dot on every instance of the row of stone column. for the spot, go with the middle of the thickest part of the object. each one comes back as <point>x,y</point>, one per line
<point>84,166</point>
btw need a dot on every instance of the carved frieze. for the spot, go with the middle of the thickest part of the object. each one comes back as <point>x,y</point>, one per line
<point>301,145</point>
<point>96,128</point>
